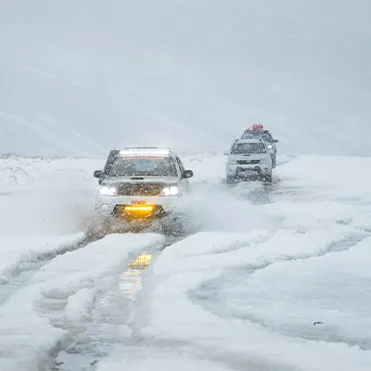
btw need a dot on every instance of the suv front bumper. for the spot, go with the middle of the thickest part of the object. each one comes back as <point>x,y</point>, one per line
<point>248,170</point>
<point>139,206</point>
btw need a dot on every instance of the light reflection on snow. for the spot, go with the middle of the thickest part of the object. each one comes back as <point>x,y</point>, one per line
<point>131,280</point>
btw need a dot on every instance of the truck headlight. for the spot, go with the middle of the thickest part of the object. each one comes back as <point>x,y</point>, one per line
<point>108,191</point>
<point>232,162</point>
<point>170,191</point>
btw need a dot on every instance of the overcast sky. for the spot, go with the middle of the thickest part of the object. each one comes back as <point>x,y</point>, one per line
<point>79,77</point>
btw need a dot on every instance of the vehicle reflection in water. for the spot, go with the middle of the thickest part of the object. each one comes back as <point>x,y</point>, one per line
<point>131,279</point>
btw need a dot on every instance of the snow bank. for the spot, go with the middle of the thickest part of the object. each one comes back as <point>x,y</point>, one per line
<point>15,251</point>
<point>35,319</point>
<point>78,308</point>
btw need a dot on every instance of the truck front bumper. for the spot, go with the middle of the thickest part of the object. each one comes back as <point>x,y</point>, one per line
<point>140,207</point>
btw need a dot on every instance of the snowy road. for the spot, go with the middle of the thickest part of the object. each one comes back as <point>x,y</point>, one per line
<point>277,279</point>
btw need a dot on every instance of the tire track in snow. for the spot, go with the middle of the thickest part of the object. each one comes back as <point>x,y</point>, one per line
<point>207,295</point>
<point>112,315</point>
<point>61,296</point>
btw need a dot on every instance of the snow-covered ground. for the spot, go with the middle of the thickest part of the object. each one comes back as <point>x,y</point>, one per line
<point>277,278</point>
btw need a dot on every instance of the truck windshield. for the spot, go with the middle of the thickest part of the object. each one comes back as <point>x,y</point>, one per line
<point>239,148</point>
<point>144,166</point>
<point>249,134</point>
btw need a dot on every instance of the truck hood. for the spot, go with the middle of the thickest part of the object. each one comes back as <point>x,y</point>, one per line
<point>138,179</point>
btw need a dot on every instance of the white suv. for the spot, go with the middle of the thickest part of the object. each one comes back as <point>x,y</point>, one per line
<point>141,184</point>
<point>249,158</point>
<point>266,136</point>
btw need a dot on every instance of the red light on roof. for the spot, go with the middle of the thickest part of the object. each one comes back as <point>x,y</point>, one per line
<point>257,127</point>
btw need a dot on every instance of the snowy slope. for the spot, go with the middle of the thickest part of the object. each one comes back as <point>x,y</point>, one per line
<point>276,279</point>
<point>78,77</point>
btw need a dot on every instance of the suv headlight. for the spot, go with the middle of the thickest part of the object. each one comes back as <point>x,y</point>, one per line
<point>232,162</point>
<point>108,191</point>
<point>170,191</point>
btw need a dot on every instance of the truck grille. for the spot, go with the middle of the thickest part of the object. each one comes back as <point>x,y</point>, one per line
<point>247,162</point>
<point>139,189</point>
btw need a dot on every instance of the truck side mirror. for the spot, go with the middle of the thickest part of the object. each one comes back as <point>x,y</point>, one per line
<point>187,174</point>
<point>98,173</point>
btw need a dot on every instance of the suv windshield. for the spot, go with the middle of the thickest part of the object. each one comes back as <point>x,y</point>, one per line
<point>249,134</point>
<point>239,148</point>
<point>144,166</point>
